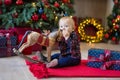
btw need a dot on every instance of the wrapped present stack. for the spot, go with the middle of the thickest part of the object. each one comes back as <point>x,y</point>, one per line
<point>104,59</point>
<point>8,41</point>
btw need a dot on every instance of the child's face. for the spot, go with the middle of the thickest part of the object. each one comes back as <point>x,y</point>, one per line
<point>66,28</point>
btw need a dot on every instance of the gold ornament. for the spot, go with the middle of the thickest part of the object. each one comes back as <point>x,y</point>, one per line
<point>33,4</point>
<point>56,18</point>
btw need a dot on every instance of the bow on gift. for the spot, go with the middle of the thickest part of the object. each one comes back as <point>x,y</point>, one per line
<point>104,58</point>
<point>8,44</point>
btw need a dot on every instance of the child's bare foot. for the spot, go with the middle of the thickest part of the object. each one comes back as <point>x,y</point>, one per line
<point>53,63</point>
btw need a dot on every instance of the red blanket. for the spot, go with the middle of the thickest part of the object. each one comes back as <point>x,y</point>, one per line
<point>82,70</point>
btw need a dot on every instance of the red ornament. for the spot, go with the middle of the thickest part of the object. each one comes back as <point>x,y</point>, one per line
<point>7,2</point>
<point>113,21</point>
<point>19,2</point>
<point>116,26</point>
<point>118,16</point>
<point>43,16</point>
<point>56,4</point>
<point>106,35</point>
<point>45,2</point>
<point>113,38</point>
<point>0,2</point>
<point>35,17</point>
<point>65,1</point>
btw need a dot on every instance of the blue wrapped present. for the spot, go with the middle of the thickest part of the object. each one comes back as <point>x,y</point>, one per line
<point>8,41</point>
<point>3,41</point>
<point>13,40</point>
<point>6,45</point>
<point>104,59</point>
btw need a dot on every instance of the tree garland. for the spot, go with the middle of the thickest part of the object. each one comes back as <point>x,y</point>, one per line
<point>89,38</point>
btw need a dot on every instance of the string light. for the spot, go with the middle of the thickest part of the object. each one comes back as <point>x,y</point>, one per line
<point>116,21</point>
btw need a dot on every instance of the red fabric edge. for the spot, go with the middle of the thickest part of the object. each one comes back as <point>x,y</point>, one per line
<point>82,70</point>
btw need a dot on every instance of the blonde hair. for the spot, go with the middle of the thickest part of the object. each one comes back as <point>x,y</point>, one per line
<point>67,20</point>
<point>57,35</point>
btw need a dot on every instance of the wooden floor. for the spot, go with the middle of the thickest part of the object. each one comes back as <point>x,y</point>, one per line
<point>14,68</point>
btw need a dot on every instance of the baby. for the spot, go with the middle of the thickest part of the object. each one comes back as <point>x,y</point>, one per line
<point>69,46</point>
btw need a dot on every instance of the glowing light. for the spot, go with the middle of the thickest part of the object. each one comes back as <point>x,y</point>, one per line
<point>88,38</point>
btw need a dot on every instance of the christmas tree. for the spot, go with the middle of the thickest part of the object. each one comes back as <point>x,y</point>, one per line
<point>43,14</point>
<point>113,33</point>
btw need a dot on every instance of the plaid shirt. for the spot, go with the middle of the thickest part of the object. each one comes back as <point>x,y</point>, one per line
<point>70,46</point>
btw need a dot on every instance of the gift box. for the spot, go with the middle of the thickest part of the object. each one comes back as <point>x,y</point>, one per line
<point>8,41</point>
<point>5,53</point>
<point>104,59</point>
